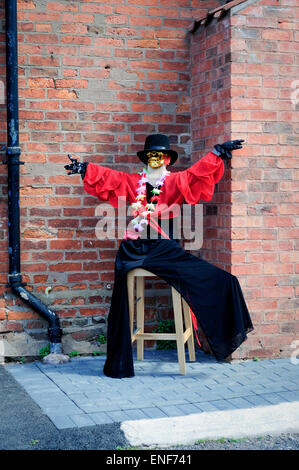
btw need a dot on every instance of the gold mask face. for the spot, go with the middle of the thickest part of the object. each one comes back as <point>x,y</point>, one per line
<point>155,159</point>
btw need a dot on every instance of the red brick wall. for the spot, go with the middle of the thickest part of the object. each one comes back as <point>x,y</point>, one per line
<point>94,79</point>
<point>261,235</point>
<point>211,124</point>
<point>264,179</point>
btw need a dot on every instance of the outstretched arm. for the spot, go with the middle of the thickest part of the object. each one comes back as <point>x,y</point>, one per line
<point>104,183</point>
<point>197,183</point>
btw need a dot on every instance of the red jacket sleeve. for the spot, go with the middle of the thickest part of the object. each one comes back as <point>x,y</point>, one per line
<point>104,183</point>
<point>198,182</point>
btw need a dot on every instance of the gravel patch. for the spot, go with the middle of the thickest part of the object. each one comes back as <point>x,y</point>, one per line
<point>268,442</point>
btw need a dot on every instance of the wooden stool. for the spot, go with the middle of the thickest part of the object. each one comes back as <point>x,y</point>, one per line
<point>180,335</point>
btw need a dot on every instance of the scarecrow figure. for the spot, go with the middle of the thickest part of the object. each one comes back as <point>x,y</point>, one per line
<point>214,295</point>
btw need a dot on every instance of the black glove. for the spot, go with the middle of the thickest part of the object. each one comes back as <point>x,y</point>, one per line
<point>76,167</point>
<point>224,150</point>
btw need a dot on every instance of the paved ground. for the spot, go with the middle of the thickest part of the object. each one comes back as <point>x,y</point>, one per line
<point>207,403</point>
<point>24,426</point>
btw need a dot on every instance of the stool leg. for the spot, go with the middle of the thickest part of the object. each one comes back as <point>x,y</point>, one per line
<point>178,320</point>
<point>188,323</point>
<point>130,286</point>
<point>140,316</point>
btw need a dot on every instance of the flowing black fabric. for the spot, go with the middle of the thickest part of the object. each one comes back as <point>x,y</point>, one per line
<point>214,296</point>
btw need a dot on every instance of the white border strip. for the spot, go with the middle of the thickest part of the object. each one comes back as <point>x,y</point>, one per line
<point>236,423</point>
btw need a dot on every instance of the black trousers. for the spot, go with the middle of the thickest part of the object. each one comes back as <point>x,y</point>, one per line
<point>214,296</point>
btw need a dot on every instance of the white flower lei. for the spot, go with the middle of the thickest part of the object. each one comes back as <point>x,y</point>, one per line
<point>141,211</point>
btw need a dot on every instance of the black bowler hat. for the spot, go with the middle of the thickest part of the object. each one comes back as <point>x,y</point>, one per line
<point>160,143</point>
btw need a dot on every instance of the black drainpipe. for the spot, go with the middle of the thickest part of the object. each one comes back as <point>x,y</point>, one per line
<point>13,151</point>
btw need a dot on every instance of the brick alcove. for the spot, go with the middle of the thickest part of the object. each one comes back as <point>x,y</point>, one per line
<point>244,69</point>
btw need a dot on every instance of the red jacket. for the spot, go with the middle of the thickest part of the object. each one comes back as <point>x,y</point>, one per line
<point>192,185</point>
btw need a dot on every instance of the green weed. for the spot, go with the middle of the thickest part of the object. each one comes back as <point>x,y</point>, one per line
<point>165,326</point>
<point>102,339</point>
<point>44,351</point>
<point>34,441</point>
<point>74,354</point>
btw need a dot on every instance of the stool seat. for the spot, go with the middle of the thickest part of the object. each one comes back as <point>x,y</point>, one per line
<point>181,336</point>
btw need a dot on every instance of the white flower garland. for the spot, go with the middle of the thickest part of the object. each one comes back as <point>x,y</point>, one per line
<point>141,212</point>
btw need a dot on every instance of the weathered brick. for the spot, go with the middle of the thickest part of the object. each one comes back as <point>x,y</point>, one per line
<point>10,326</point>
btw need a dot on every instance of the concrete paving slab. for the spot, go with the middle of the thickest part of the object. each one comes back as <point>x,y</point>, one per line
<point>62,422</point>
<point>118,416</point>
<point>82,420</point>
<point>188,409</point>
<point>205,406</point>
<point>241,402</point>
<point>223,404</point>
<point>100,418</point>
<point>154,412</point>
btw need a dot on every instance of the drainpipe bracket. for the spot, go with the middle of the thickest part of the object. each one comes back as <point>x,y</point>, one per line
<point>15,280</point>
<point>13,154</point>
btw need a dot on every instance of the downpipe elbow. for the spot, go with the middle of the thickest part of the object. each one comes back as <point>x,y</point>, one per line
<point>54,329</point>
